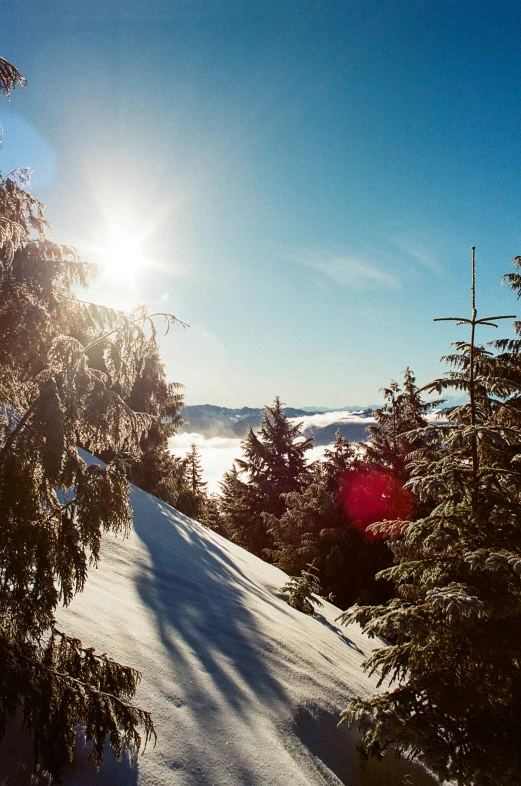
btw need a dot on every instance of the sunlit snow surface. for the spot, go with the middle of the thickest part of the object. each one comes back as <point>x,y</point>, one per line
<point>243,689</point>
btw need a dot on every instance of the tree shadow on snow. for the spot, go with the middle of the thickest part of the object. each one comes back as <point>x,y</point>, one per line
<point>336,748</point>
<point>17,767</point>
<point>198,595</point>
<point>341,635</point>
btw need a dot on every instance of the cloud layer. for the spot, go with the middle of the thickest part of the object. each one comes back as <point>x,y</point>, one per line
<point>217,454</point>
<point>348,270</point>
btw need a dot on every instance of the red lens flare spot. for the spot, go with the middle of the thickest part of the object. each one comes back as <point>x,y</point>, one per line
<point>371,495</point>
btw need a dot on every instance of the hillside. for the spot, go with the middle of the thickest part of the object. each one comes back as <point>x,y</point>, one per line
<point>243,689</point>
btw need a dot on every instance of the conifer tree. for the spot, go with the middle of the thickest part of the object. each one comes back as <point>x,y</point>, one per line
<point>274,465</point>
<point>211,516</point>
<point>395,434</point>
<point>54,506</point>
<point>194,471</point>
<point>192,499</point>
<point>457,614</point>
<point>303,590</point>
<point>162,400</point>
<point>315,528</point>
<point>9,77</point>
<point>150,392</point>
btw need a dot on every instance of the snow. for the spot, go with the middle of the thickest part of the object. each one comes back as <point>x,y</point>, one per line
<point>243,689</point>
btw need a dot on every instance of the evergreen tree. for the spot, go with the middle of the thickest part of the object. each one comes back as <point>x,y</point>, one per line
<point>274,465</point>
<point>192,499</point>
<point>302,590</point>
<point>194,470</point>
<point>151,393</point>
<point>41,269</point>
<point>9,77</point>
<point>211,516</point>
<point>396,433</point>
<point>457,614</point>
<point>315,528</point>
<point>54,507</point>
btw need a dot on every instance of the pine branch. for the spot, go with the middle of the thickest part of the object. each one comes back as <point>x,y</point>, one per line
<point>16,431</point>
<point>169,318</point>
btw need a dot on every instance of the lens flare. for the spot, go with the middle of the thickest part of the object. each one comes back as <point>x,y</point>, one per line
<point>373,495</point>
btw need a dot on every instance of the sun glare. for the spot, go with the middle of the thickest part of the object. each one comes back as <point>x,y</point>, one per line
<point>122,258</point>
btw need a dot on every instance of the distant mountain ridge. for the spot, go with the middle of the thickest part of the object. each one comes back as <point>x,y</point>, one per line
<point>211,420</point>
<point>214,421</point>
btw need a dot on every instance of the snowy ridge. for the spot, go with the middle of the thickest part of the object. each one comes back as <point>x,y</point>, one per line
<point>243,689</point>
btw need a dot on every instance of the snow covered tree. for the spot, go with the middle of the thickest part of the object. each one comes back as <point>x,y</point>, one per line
<point>149,392</point>
<point>457,614</point>
<point>192,498</point>
<point>302,590</point>
<point>54,505</point>
<point>274,465</point>
<point>9,77</point>
<point>315,528</point>
<point>162,400</point>
<point>391,439</point>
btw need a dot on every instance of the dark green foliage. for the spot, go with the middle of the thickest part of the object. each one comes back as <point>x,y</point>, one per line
<point>457,615</point>
<point>144,389</point>
<point>191,497</point>
<point>274,465</point>
<point>62,685</point>
<point>315,528</point>
<point>395,436</point>
<point>53,506</point>
<point>302,590</point>
<point>211,515</point>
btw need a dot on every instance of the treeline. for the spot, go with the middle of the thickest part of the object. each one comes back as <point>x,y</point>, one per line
<point>292,512</point>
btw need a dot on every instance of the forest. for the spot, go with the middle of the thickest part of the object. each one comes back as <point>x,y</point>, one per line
<point>415,535</point>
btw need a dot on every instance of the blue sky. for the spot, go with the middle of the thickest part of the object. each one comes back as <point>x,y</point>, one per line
<point>305,179</point>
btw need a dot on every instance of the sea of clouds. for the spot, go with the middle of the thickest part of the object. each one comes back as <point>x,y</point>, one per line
<point>219,453</point>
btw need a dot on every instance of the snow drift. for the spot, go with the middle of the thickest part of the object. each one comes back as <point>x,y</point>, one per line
<point>243,689</point>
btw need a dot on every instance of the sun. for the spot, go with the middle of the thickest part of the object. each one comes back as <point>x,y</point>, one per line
<point>122,258</point>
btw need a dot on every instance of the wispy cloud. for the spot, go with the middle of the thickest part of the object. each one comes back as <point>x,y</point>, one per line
<point>348,270</point>
<point>417,252</point>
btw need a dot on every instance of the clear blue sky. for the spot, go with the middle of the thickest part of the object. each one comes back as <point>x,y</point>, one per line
<point>309,177</point>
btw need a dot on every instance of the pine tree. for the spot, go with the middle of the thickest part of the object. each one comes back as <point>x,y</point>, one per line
<point>303,590</point>
<point>192,499</point>
<point>457,614</point>
<point>162,400</point>
<point>211,516</point>
<point>54,506</point>
<point>194,470</point>
<point>150,393</point>
<point>315,528</point>
<point>274,465</point>
<point>395,434</point>
<point>9,77</point>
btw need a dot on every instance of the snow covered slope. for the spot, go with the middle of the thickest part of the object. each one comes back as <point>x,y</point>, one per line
<point>243,689</point>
